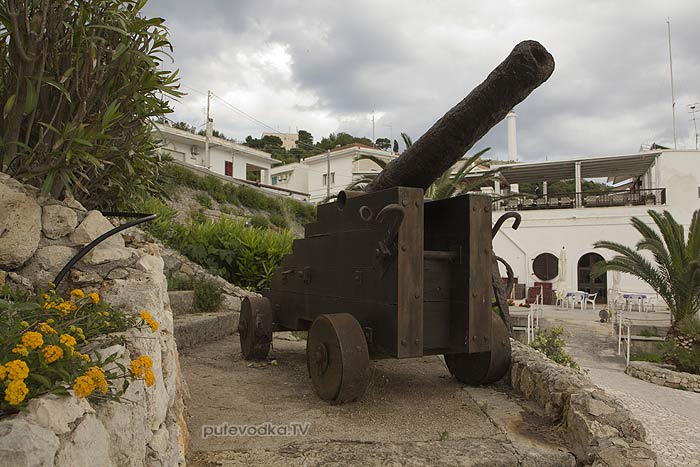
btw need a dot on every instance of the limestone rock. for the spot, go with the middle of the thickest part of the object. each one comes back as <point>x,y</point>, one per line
<point>56,413</point>
<point>94,225</point>
<point>58,221</point>
<point>47,263</point>
<point>73,204</point>
<point>86,446</point>
<point>20,224</point>
<point>23,444</point>
<point>84,278</point>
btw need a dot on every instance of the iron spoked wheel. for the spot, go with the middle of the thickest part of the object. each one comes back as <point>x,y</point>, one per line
<point>255,327</point>
<point>337,358</point>
<point>486,367</point>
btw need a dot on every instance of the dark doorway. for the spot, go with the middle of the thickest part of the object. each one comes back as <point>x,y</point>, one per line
<point>586,282</point>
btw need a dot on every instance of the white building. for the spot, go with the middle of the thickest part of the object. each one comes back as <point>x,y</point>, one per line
<point>225,157</point>
<point>329,172</point>
<point>658,180</point>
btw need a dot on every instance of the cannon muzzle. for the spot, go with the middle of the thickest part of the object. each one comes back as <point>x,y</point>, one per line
<point>527,66</point>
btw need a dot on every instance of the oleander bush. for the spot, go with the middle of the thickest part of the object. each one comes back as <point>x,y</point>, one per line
<point>80,83</point>
<point>50,345</point>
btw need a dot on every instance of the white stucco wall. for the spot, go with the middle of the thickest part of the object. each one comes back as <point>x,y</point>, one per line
<point>549,230</point>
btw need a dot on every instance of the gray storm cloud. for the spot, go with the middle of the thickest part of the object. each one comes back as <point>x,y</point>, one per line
<point>324,66</point>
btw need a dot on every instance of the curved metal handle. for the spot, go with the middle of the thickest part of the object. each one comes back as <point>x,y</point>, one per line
<point>509,273</point>
<point>86,249</point>
<point>384,245</point>
<point>516,223</point>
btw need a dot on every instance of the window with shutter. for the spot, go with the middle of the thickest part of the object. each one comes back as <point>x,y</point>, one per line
<point>546,266</point>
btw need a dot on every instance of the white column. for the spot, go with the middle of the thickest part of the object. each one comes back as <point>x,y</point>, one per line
<point>577,176</point>
<point>497,191</point>
<point>544,189</point>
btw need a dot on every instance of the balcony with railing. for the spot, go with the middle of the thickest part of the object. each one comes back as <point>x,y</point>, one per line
<point>585,199</point>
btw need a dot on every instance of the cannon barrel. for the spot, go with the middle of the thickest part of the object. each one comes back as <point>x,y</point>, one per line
<point>527,66</point>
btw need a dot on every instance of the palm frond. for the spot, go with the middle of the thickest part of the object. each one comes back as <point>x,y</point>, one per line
<point>377,160</point>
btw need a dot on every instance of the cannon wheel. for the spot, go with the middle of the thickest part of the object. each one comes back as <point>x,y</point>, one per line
<point>255,327</point>
<point>337,358</point>
<point>485,367</point>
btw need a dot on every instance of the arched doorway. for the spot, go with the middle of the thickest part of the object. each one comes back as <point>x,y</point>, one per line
<point>586,282</point>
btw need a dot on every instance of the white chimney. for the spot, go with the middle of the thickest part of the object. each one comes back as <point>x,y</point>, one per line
<point>512,143</point>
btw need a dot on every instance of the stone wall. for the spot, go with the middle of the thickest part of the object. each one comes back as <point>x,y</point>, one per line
<point>664,375</point>
<point>598,429</point>
<point>37,237</point>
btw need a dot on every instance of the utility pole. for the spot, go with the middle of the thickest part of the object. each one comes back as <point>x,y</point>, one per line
<point>693,109</point>
<point>373,145</point>
<point>328,173</point>
<point>673,92</point>
<point>207,132</point>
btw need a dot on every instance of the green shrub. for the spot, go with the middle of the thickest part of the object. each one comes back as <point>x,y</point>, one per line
<point>204,200</point>
<point>303,213</point>
<point>279,220</point>
<point>197,216</point>
<point>682,358</point>
<point>80,84</point>
<point>207,295</point>
<point>550,343</point>
<point>242,255</point>
<point>690,326</point>
<point>259,221</point>
<point>179,282</point>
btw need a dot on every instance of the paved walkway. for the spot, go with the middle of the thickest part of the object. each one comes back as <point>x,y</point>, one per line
<point>670,416</point>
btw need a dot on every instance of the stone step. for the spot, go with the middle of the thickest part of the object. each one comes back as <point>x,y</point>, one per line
<point>182,301</point>
<point>192,330</point>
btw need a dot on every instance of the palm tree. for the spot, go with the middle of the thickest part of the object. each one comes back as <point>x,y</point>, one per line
<point>447,186</point>
<point>675,271</point>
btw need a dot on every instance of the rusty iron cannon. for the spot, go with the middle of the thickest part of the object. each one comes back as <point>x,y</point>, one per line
<point>386,273</point>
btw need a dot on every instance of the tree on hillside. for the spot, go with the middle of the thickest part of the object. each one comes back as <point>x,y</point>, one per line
<point>80,83</point>
<point>383,143</point>
<point>305,139</point>
<point>396,147</point>
<point>183,126</point>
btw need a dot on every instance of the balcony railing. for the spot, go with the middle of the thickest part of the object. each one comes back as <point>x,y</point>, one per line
<point>585,199</point>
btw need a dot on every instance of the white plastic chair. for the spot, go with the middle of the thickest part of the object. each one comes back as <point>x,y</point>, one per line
<point>578,297</point>
<point>590,298</point>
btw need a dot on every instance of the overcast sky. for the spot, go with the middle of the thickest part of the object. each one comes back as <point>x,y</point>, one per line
<point>323,66</point>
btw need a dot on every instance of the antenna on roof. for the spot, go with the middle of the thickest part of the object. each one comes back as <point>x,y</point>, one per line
<point>673,94</point>
<point>692,110</point>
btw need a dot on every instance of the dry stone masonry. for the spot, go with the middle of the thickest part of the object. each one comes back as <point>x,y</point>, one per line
<point>598,429</point>
<point>37,237</point>
<point>664,375</point>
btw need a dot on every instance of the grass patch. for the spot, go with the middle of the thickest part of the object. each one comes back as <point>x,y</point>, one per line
<point>204,200</point>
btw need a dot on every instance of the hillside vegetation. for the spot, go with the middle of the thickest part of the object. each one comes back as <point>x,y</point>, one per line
<point>236,232</point>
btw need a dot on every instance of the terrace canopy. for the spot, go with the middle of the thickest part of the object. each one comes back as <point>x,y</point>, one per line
<point>615,168</point>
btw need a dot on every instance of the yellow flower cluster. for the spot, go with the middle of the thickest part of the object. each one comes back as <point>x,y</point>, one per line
<point>146,316</point>
<point>45,328</point>
<point>69,341</point>
<point>52,353</point>
<point>77,293</point>
<point>95,298</point>
<point>20,350</point>
<point>94,378</point>
<point>16,371</point>
<point>32,340</point>
<point>63,307</point>
<point>78,331</point>
<point>141,368</point>
<point>15,392</point>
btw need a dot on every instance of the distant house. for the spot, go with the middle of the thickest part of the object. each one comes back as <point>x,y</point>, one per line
<point>289,140</point>
<point>225,157</point>
<point>329,172</point>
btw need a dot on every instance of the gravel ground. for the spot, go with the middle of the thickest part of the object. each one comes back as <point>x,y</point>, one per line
<point>413,414</point>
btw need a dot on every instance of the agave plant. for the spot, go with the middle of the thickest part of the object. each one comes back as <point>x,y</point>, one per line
<point>674,272</point>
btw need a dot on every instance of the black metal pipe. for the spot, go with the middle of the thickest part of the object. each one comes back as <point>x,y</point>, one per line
<point>86,249</point>
<point>516,222</point>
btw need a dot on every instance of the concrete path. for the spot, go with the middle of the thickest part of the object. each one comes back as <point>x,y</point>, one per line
<point>413,414</point>
<point>670,416</point>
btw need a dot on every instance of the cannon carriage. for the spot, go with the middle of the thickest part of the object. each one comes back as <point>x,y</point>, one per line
<point>385,273</point>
